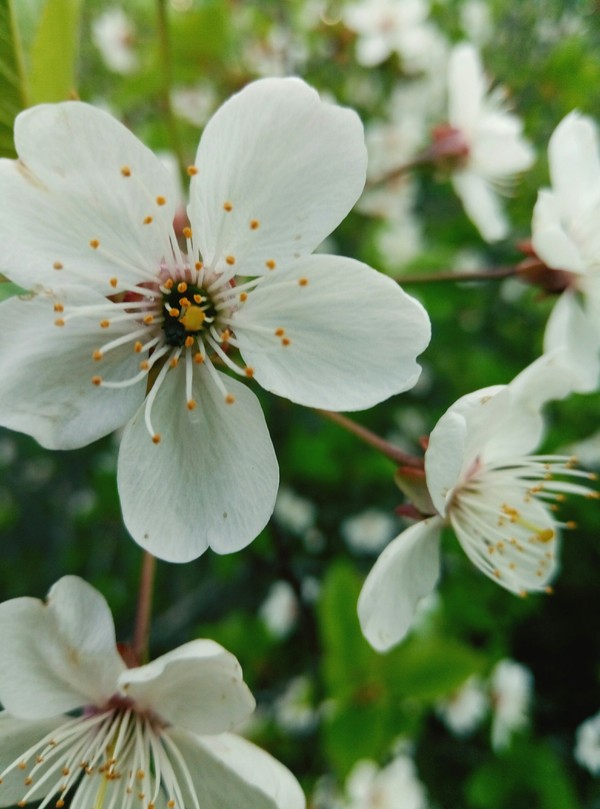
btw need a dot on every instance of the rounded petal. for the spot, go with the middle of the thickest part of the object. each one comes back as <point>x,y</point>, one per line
<point>278,170</point>
<point>82,176</point>
<point>445,458</point>
<point>57,655</point>
<point>226,771</point>
<point>574,332</point>
<point>212,479</point>
<point>47,371</point>
<point>481,204</point>
<point>467,86</point>
<point>500,150</point>
<point>16,737</point>
<point>573,155</point>
<point>353,334</point>
<point>197,686</point>
<point>406,572</point>
<point>551,241</point>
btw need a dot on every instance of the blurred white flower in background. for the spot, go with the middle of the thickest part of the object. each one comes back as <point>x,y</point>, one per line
<point>279,611</point>
<point>511,686</point>
<point>587,744</point>
<point>293,512</point>
<point>113,33</point>
<point>369,531</point>
<point>395,786</point>
<point>293,709</point>
<point>466,708</point>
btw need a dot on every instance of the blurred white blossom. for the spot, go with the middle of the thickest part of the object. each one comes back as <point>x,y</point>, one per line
<point>113,33</point>
<point>369,531</point>
<point>587,744</point>
<point>465,709</point>
<point>279,611</point>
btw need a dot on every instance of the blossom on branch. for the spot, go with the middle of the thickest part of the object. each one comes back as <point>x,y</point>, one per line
<point>498,497</point>
<point>485,140</point>
<point>79,725</point>
<point>126,327</point>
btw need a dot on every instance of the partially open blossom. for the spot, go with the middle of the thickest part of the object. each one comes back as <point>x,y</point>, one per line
<point>498,497</point>
<point>126,328</point>
<point>565,236</point>
<point>79,726</point>
<point>485,138</point>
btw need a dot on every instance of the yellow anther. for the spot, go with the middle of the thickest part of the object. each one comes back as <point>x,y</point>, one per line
<point>549,590</point>
<point>571,524</point>
<point>230,260</point>
<point>137,347</point>
<point>191,405</point>
<point>182,287</point>
<point>225,336</point>
<point>227,206</point>
<point>243,296</point>
<point>303,282</point>
<point>229,399</point>
<point>189,342</point>
<point>94,244</point>
<point>148,320</point>
<point>144,365</point>
<point>58,265</point>
<point>126,171</point>
<point>192,319</point>
<point>270,264</point>
<point>97,355</point>
<point>198,265</point>
<point>546,535</point>
<point>28,781</point>
<point>184,302</point>
<point>59,321</point>
<point>187,232</point>
<point>96,380</point>
<point>254,224</point>
<point>198,358</point>
<point>66,771</point>
<point>192,170</point>
<point>113,282</point>
<point>173,312</point>
<point>249,372</point>
<point>285,341</point>
<point>169,283</point>
<point>148,220</point>
<point>160,200</point>
<point>198,298</point>
<point>174,362</point>
<point>104,324</point>
<point>279,332</point>
<point>171,804</point>
<point>58,307</point>
<point>156,438</point>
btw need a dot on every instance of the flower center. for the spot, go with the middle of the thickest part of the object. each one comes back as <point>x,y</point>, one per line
<point>187,309</point>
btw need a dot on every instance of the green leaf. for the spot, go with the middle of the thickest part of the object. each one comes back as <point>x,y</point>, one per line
<point>8,290</point>
<point>12,89</point>
<point>54,52</point>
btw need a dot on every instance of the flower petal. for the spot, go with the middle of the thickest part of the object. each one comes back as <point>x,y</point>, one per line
<point>213,478</point>
<point>227,771</point>
<point>467,86</point>
<point>58,655</point>
<point>551,241</point>
<point>353,334</point>
<point>47,371</point>
<point>445,458</point>
<point>573,155</point>
<point>16,737</point>
<point>278,170</point>
<point>574,330</point>
<point>197,686</point>
<point>481,204</point>
<point>82,176</point>
<point>406,572</point>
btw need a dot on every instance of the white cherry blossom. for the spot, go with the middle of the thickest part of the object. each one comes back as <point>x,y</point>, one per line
<point>499,498</point>
<point>587,744</point>
<point>565,236</point>
<point>494,149</point>
<point>511,685</point>
<point>125,327</point>
<point>79,726</point>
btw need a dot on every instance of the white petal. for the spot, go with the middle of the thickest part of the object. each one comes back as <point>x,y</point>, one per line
<point>500,150</point>
<point>283,160</point>
<point>406,572</point>
<point>47,371</point>
<point>354,334</point>
<point>575,163</point>
<point>231,774</point>
<point>550,239</point>
<point>575,331</point>
<point>16,737</point>
<point>57,655</point>
<point>197,686</point>
<point>212,480</point>
<point>445,458</point>
<point>482,205</point>
<point>67,189</point>
<point>467,86</point>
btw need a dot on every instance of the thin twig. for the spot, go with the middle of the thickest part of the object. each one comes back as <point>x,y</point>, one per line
<point>144,608</point>
<point>493,274</point>
<point>389,450</point>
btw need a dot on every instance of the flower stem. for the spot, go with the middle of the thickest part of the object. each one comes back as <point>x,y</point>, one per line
<point>164,44</point>
<point>494,274</point>
<point>144,609</point>
<point>374,440</point>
